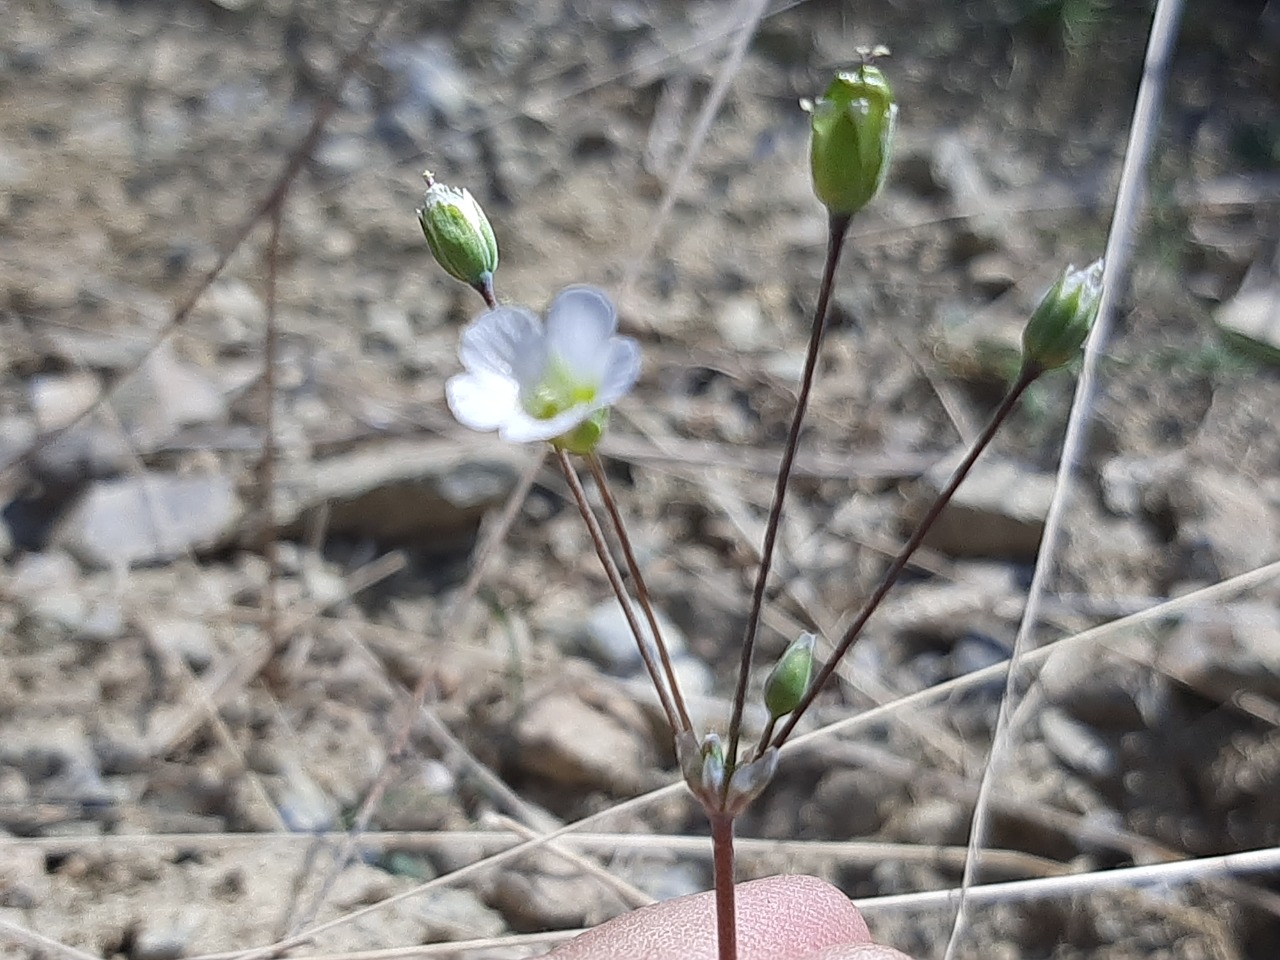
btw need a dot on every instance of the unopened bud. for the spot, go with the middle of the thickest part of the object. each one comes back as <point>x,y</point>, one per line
<point>790,677</point>
<point>1061,323</point>
<point>458,234</point>
<point>852,139</point>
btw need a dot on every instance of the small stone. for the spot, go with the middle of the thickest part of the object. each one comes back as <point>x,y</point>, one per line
<point>23,882</point>
<point>999,511</point>
<point>579,745</point>
<point>1251,319</point>
<point>933,820</point>
<point>51,618</point>
<point>1098,691</point>
<point>303,805</point>
<point>1226,524</point>
<point>165,395</point>
<point>149,518</point>
<point>1235,648</point>
<point>957,170</point>
<point>58,399</point>
<point>550,895</point>
<point>742,324</point>
<point>1078,746</point>
<point>430,78</point>
<point>993,273</point>
<point>165,938</point>
<point>339,156</point>
<point>606,637</point>
<point>1134,486</point>
<point>388,326</point>
<point>190,640</point>
<point>432,494</point>
<point>457,914</point>
<point>238,312</point>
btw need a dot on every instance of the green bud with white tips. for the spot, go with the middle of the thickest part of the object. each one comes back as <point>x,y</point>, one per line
<point>459,234</point>
<point>790,677</point>
<point>852,126</point>
<point>1061,323</point>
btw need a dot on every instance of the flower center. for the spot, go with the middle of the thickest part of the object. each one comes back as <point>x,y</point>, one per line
<point>558,391</point>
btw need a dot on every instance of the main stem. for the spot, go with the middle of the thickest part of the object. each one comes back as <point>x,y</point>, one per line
<point>837,230</point>
<point>722,865</point>
<point>1026,377</point>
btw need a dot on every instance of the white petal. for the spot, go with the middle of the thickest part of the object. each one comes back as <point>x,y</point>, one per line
<point>482,400</point>
<point>621,371</point>
<point>580,322</point>
<point>522,428</point>
<point>507,341</point>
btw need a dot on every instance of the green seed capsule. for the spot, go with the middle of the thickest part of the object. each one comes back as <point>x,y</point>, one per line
<point>852,140</point>
<point>458,234</point>
<point>789,680</point>
<point>1061,323</point>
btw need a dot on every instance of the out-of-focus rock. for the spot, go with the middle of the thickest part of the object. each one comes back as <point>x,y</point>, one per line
<point>1225,524</point>
<point>458,914</point>
<point>1078,745</point>
<point>598,745</point>
<point>430,494</point>
<point>999,511</point>
<point>1251,319</point>
<point>149,518</point>
<point>606,637</point>
<point>23,882</point>
<point>1233,647</point>
<point>550,894</point>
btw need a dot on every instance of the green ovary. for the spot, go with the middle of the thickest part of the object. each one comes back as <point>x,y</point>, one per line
<point>557,392</point>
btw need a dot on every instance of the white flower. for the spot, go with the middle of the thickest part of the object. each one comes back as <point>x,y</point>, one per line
<point>534,383</point>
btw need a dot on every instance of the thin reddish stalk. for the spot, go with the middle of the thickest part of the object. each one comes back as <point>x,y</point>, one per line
<point>642,591</point>
<point>615,581</point>
<point>837,230</point>
<point>1026,377</point>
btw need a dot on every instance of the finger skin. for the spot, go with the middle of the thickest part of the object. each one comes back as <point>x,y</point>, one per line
<point>779,918</point>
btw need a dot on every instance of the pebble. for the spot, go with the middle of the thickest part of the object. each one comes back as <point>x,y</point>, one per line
<point>149,518</point>
<point>58,399</point>
<point>429,493</point>
<point>742,323</point>
<point>578,745</point>
<point>1251,318</point>
<point>166,394</point>
<point>165,938</point>
<point>430,76</point>
<point>1231,648</point>
<point>24,882</point>
<point>459,914</point>
<point>549,895</point>
<point>1078,745</point>
<point>190,640</point>
<point>1226,524</point>
<point>606,638</point>
<point>1099,691</point>
<point>999,511</point>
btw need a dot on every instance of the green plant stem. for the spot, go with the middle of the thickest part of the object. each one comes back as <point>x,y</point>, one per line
<point>641,589</point>
<point>722,866</point>
<point>837,230</point>
<point>1026,377</point>
<point>615,581</point>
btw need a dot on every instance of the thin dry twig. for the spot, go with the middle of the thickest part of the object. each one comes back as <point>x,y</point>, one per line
<point>1142,132</point>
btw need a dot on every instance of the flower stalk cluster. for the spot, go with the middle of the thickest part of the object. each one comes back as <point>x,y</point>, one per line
<point>553,380</point>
